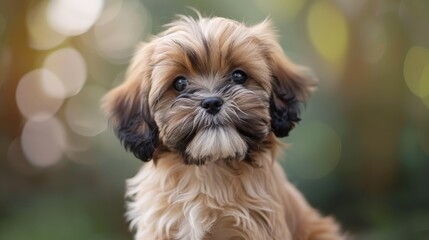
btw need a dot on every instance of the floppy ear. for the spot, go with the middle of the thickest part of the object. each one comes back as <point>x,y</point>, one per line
<point>128,110</point>
<point>291,84</point>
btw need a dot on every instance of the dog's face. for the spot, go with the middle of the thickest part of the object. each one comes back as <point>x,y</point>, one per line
<point>209,89</point>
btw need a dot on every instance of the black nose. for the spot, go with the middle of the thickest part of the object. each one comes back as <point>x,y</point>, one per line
<point>212,104</point>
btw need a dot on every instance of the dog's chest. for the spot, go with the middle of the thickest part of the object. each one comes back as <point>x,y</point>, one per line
<point>204,203</point>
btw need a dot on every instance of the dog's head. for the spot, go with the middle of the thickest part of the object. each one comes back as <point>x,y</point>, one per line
<point>210,89</point>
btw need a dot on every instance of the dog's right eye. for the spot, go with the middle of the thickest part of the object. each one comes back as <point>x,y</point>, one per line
<point>180,83</point>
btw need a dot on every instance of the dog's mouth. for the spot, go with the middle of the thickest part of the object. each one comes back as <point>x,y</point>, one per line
<point>208,138</point>
<point>215,142</point>
<point>225,136</point>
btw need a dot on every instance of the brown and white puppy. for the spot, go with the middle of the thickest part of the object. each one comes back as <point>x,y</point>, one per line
<point>205,101</point>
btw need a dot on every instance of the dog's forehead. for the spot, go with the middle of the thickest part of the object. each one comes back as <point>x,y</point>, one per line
<point>208,47</point>
<point>209,44</point>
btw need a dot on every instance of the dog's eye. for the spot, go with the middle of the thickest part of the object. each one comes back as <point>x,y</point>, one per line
<point>239,77</point>
<point>180,83</point>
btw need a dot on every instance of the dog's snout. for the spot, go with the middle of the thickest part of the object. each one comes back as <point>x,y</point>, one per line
<point>212,104</point>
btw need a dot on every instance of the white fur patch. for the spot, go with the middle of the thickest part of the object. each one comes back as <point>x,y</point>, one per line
<point>217,143</point>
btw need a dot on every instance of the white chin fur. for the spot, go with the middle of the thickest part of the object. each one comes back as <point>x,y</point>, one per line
<point>217,143</point>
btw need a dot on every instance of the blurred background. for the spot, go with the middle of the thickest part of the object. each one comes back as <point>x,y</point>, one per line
<point>361,152</point>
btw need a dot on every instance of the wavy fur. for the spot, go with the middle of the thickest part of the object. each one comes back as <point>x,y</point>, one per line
<point>213,175</point>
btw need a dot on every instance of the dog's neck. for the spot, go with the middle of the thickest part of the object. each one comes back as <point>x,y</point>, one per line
<point>211,177</point>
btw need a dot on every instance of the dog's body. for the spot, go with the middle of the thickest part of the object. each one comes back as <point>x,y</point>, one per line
<point>176,201</point>
<point>205,101</point>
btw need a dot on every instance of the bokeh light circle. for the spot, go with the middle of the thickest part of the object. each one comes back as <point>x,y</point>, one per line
<point>41,35</point>
<point>328,31</point>
<point>73,17</point>
<point>315,152</point>
<point>34,94</point>
<point>416,71</point>
<point>43,142</point>
<point>83,112</point>
<point>117,32</point>
<point>70,67</point>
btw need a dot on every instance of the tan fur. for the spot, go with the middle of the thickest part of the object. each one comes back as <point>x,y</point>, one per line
<point>212,176</point>
<point>177,201</point>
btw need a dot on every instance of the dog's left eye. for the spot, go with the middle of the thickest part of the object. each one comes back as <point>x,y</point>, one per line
<point>239,77</point>
<point>180,83</point>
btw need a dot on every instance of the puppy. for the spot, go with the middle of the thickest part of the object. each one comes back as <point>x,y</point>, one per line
<point>203,103</point>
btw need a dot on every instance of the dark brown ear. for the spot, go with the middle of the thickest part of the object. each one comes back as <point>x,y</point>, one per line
<point>291,84</point>
<point>128,110</point>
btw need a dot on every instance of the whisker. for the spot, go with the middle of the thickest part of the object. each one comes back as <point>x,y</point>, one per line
<point>235,106</point>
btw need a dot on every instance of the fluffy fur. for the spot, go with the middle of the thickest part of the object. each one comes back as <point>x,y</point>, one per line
<point>213,175</point>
